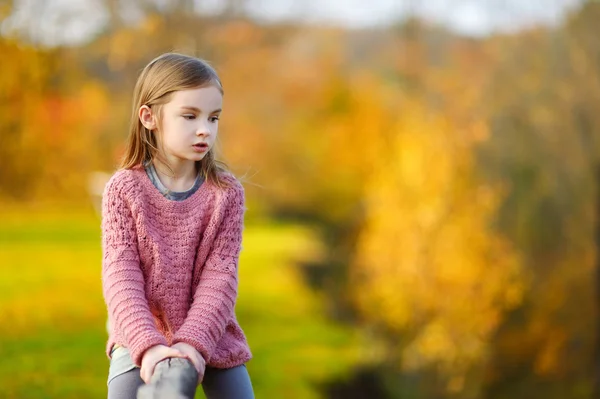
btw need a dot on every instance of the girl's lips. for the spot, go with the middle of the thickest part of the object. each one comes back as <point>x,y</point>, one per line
<point>200,147</point>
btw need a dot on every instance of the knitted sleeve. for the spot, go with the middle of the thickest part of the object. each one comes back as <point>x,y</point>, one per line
<point>122,278</point>
<point>214,299</point>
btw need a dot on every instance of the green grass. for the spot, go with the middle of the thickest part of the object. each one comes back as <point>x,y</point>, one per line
<point>52,314</point>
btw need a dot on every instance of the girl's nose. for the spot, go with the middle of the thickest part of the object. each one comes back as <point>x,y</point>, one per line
<point>202,130</point>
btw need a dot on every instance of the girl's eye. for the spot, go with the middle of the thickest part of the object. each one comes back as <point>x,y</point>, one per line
<point>214,119</point>
<point>189,117</point>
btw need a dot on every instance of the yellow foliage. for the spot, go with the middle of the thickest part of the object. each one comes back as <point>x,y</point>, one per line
<point>121,47</point>
<point>428,262</point>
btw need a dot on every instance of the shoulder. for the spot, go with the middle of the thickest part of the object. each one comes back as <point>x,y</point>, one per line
<point>122,183</point>
<point>233,195</point>
<point>233,185</point>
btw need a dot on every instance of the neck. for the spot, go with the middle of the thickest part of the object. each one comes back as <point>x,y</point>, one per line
<point>179,175</point>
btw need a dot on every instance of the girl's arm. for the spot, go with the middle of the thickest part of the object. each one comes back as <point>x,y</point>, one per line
<point>214,299</point>
<point>122,278</point>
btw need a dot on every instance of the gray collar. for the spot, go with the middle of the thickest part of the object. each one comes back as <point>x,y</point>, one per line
<point>172,195</point>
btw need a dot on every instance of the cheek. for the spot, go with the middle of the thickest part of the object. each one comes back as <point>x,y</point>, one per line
<point>172,131</point>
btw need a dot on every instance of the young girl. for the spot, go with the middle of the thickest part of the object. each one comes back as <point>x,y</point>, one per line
<point>172,220</point>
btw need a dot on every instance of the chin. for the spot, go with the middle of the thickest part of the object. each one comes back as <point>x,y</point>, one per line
<point>196,157</point>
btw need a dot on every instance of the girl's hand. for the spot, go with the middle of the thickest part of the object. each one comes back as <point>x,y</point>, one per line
<point>194,356</point>
<point>153,356</point>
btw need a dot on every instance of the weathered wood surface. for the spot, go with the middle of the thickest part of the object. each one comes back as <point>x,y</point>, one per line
<point>173,378</point>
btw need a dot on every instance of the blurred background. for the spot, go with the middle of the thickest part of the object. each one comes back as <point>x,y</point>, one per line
<point>422,184</point>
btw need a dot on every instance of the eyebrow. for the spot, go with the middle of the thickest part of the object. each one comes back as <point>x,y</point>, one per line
<point>198,110</point>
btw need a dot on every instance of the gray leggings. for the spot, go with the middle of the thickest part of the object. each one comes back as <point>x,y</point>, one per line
<point>233,383</point>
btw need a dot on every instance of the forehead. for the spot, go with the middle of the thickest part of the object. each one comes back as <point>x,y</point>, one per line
<point>201,97</point>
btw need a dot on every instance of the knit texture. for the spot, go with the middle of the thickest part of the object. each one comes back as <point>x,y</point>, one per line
<point>169,269</point>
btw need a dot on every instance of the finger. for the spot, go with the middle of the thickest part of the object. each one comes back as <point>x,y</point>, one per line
<point>150,372</point>
<point>144,374</point>
<point>174,353</point>
<point>170,354</point>
<point>197,364</point>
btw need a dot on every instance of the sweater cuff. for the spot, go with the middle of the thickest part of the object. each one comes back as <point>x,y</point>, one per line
<point>199,342</point>
<point>142,343</point>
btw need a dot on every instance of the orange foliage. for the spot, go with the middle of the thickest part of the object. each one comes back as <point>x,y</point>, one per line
<point>429,265</point>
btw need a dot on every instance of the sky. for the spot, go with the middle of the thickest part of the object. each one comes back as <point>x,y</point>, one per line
<point>474,17</point>
<point>74,21</point>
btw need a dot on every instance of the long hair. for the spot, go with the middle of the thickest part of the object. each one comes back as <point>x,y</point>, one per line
<point>164,75</point>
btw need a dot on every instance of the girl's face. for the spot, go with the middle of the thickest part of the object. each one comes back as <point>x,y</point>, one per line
<point>189,123</point>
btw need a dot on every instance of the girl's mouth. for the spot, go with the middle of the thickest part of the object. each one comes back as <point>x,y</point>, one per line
<point>200,147</point>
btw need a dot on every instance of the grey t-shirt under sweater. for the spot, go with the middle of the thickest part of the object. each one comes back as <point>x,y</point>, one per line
<point>172,195</point>
<point>121,361</point>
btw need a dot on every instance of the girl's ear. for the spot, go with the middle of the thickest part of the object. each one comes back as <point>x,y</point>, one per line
<point>147,117</point>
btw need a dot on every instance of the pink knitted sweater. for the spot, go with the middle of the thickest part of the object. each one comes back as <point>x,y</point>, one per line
<point>169,269</point>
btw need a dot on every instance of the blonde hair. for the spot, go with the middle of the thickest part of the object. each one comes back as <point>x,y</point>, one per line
<point>155,85</point>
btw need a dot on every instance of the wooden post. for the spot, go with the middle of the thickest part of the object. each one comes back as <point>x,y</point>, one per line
<point>173,378</point>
